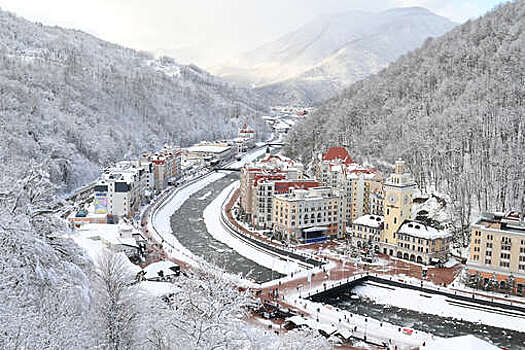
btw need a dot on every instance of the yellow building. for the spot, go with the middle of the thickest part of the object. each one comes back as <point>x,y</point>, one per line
<point>399,191</point>
<point>306,216</point>
<point>422,244</point>
<point>362,182</point>
<point>497,251</point>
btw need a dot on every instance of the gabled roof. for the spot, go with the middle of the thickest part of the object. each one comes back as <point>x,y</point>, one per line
<point>338,153</point>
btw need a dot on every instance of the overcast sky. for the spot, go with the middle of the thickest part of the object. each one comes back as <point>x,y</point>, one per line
<point>209,31</point>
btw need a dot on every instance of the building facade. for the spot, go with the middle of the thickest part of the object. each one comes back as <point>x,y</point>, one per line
<point>306,216</point>
<point>270,166</point>
<point>399,191</point>
<point>422,244</point>
<point>497,250</point>
<point>264,189</point>
<point>367,230</point>
<point>335,168</point>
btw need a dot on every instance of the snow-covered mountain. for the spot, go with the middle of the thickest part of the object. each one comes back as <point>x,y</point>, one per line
<point>452,109</point>
<point>315,61</point>
<point>76,102</point>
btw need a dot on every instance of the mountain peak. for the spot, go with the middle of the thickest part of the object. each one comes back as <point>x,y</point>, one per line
<point>335,50</point>
<point>412,10</point>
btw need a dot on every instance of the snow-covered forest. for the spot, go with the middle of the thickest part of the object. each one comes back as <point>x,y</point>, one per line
<point>76,102</point>
<point>454,110</point>
<point>54,297</point>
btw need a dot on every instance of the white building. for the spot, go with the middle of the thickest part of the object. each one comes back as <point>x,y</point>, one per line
<point>208,151</point>
<point>119,192</point>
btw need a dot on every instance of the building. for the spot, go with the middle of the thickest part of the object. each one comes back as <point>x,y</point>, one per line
<point>160,271</point>
<point>361,182</point>
<point>422,244</point>
<point>209,151</point>
<point>121,238</point>
<point>166,166</point>
<point>264,189</point>
<point>366,229</point>
<point>376,199</point>
<point>399,191</point>
<point>81,217</point>
<point>119,192</point>
<point>497,250</point>
<point>270,166</point>
<point>330,165</point>
<point>335,168</point>
<point>306,216</point>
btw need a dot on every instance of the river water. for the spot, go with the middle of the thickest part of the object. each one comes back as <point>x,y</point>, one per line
<point>188,226</point>
<point>440,326</point>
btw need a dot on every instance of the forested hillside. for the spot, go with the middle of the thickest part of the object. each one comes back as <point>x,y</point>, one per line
<point>76,102</point>
<point>454,110</point>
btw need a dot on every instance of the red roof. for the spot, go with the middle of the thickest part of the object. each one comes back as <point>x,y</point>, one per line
<point>263,177</point>
<point>363,171</point>
<point>338,153</point>
<point>284,186</point>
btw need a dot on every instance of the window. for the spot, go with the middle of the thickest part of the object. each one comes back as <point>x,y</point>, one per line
<point>504,264</point>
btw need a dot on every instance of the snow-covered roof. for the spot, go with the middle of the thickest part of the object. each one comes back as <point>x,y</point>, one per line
<point>107,233</point>
<point>345,333</point>
<point>417,229</point>
<point>281,125</point>
<point>465,342</point>
<point>152,270</point>
<point>157,288</point>
<point>374,221</point>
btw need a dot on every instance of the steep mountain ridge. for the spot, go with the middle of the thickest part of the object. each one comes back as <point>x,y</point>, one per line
<point>77,102</point>
<point>452,109</point>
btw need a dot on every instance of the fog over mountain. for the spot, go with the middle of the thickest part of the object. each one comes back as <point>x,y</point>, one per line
<point>318,59</point>
<point>77,102</point>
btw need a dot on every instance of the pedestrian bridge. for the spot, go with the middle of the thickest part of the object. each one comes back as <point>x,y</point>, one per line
<point>227,169</point>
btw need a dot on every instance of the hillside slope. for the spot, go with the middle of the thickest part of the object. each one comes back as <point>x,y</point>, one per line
<point>317,60</point>
<point>453,109</point>
<point>76,102</point>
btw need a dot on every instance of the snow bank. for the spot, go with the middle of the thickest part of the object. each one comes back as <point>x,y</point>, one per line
<point>438,305</point>
<point>212,219</point>
<point>160,221</point>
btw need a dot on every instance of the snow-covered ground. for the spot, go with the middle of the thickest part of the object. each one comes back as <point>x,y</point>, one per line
<point>212,219</point>
<point>440,305</point>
